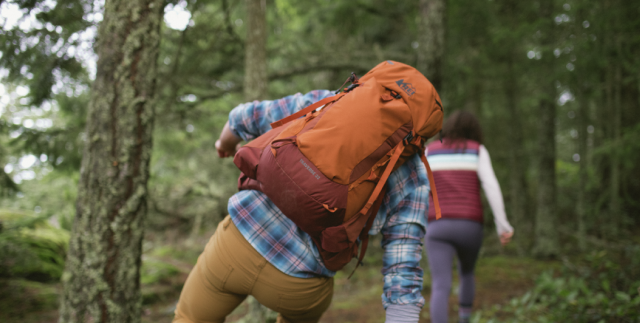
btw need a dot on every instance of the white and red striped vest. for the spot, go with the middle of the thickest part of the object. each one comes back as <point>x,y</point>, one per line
<point>455,170</point>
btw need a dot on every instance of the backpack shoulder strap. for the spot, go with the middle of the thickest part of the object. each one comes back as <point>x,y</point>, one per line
<point>364,235</point>
<point>394,158</point>
<point>378,193</point>
<point>383,179</point>
<point>432,183</point>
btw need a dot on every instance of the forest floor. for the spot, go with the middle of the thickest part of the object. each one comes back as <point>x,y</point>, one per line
<point>168,259</point>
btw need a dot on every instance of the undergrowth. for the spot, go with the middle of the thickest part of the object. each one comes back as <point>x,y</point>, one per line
<point>602,286</point>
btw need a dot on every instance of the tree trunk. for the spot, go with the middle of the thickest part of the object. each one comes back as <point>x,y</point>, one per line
<point>615,217</point>
<point>101,279</point>
<point>507,12</point>
<point>583,91</point>
<point>610,113</point>
<point>255,88</point>
<point>255,68</point>
<point>546,244</point>
<point>545,229</point>
<point>517,180</point>
<point>431,40</point>
<point>582,124</point>
<point>474,96</point>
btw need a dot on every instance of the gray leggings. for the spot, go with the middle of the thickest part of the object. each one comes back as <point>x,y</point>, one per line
<point>446,238</point>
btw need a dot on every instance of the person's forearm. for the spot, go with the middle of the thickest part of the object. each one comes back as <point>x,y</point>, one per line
<point>492,191</point>
<point>228,140</point>
<point>401,269</point>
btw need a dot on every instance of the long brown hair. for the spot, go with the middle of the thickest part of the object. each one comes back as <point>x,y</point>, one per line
<point>462,125</point>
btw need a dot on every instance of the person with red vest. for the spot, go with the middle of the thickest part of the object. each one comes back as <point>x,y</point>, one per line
<point>460,164</point>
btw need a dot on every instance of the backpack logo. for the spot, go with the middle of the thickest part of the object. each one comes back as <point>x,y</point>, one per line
<point>309,169</point>
<point>406,87</point>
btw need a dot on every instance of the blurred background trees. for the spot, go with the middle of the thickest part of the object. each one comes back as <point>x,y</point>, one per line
<point>556,85</point>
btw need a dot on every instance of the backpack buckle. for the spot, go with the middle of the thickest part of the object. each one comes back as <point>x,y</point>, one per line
<point>351,87</point>
<point>408,138</point>
<point>413,139</point>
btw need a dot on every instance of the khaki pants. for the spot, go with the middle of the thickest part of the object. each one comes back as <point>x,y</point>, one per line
<point>229,269</point>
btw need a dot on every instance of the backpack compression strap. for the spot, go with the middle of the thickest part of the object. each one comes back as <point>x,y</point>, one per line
<point>306,110</point>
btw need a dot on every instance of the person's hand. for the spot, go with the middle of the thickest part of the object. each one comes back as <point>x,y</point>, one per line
<point>228,143</point>
<point>505,238</point>
<point>222,152</point>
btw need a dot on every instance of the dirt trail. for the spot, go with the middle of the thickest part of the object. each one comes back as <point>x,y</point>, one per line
<point>498,279</point>
<point>357,300</point>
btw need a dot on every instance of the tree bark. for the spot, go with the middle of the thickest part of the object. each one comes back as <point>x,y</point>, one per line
<point>610,113</point>
<point>517,179</point>
<point>615,222</point>
<point>582,88</point>
<point>582,121</point>
<point>518,194</point>
<point>546,244</point>
<point>255,68</point>
<point>581,210</point>
<point>101,279</point>
<point>431,40</point>
<point>255,88</point>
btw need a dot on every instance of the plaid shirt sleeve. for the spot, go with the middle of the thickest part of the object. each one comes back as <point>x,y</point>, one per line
<point>250,120</point>
<point>402,223</point>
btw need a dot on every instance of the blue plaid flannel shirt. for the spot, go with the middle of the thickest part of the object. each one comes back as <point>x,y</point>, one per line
<point>401,219</point>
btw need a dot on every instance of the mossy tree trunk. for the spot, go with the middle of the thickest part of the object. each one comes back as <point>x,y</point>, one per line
<point>101,279</point>
<point>431,40</point>
<point>546,243</point>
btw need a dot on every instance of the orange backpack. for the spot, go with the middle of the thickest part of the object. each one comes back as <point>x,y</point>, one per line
<point>326,168</point>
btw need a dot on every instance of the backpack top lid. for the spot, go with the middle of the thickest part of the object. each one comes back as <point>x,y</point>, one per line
<point>419,94</point>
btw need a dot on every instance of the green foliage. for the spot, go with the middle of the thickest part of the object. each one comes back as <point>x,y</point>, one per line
<point>31,247</point>
<point>180,253</point>
<point>27,301</point>
<point>316,44</point>
<point>154,271</point>
<point>51,196</point>
<point>602,287</point>
<point>36,55</point>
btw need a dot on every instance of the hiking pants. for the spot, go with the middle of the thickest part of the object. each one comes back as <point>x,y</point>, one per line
<point>229,269</point>
<point>446,238</point>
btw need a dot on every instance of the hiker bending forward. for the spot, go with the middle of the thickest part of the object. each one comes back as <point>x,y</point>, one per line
<point>258,251</point>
